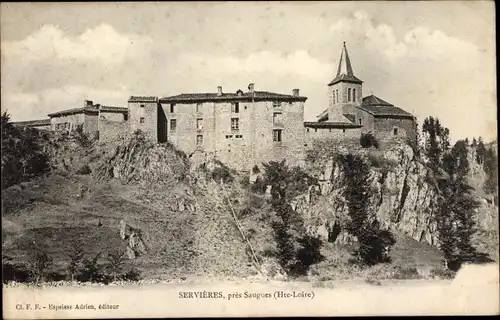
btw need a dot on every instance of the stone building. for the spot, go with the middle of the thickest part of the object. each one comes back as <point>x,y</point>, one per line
<point>349,115</point>
<point>96,120</point>
<point>240,129</point>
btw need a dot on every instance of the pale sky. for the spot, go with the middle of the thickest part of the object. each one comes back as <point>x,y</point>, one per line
<point>429,58</point>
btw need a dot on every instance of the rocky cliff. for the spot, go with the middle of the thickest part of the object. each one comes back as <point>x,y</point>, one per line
<point>402,198</point>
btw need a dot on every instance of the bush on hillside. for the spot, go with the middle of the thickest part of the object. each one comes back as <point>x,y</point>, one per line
<point>23,155</point>
<point>368,140</point>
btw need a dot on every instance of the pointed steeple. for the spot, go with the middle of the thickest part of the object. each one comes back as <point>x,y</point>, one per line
<point>344,70</point>
<point>344,64</point>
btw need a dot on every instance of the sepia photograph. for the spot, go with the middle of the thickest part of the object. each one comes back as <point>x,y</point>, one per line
<point>248,159</point>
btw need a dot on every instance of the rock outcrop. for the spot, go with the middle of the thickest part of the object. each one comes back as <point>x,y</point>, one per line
<point>401,198</point>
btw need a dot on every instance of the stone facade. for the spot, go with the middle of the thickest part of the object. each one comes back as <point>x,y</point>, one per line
<point>143,115</point>
<point>94,119</point>
<point>240,129</point>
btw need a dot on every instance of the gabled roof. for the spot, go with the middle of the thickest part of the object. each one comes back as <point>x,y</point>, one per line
<point>89,109</point>
<point>381,108</point>
<point>241,96</point>
<point>143,99</point>
<point>344,70</point>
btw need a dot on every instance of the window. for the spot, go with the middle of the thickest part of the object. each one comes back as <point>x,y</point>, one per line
<point>173,124</point>
<point>349,94</point>
<point>235,107</point>
<point>199,140</point>
<point>239,136</point>
<point>172,107</point>
<point>235,124</point>
<point>276,104</point>
<point>307,129</point>
<point>354,95</point>
<point>125,117</point>
<point>360,121</point>
<point>343,130</point>
<point>395,131</point>
<point>337,94</point>
<point>198,107</point>
<point>141,120</point>
<point>277,135</point>
<point>333,96</point>
<point>315,129</point>
<point>199,124</point>
<point>277,117</point>
<point>142,106</point>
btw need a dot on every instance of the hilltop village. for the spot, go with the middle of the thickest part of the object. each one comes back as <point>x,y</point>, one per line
<point>244,128</point>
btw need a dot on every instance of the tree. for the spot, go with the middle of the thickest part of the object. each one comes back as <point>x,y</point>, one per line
<point>490,167</point>
<point>75,255</point>
<point>39,263</point>
<point>437,141</point>
<point>480,151</point>
<point>296,250</point>
<point>456,206</point>
<point>373,243</point>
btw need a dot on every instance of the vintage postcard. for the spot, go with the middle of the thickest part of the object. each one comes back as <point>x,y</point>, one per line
<point>217,159</point>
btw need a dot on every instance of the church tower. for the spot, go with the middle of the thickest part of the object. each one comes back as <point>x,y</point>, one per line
<point>344,91</point>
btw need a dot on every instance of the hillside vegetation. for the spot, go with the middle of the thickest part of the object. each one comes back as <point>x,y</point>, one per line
<point>139,209</point>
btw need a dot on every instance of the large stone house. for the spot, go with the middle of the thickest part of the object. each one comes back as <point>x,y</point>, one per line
<point>349,115</point>
<point>240,129</point>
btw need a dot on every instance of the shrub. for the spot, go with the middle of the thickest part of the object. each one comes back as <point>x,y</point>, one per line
<point>91,270</point>
<point>84,170</point>
<point>81,137</point>
<point>39,264</point>
<point>255,169</point>
<point>368,140</point>
<point>406,273</point>
<point>75,255</point>
<point>116,259</point>
<point>222,173</point>
<point>245,182</point>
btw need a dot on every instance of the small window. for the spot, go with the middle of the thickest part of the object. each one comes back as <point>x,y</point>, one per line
<point>329,130</point>
<point>142,106</point>
<point>354,95</point>
<point>199,140</point>
<point>172,107</point>
<point>198,107</point>
<point>125,117</point>
<point>199,124</point>
<point>235,107</point>
<point>277,117</point>
<point>276,104</point>
<point>277,135</point>
<point>315,129</point>
<point>173,124</point>
<point>307,129</point>
<point>360,121</point>
<point>349,94</point>
<point>343,130</point>
<point>235,124</point>
<point>141,120</point>
<point>334,96</point>
<point>395,131</point>
<point>337,94</point>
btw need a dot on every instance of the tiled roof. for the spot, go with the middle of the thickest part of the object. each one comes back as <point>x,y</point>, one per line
<point>243,96</point>
<point>32,123</point>
<point>89,109</point>
<point>143,99</point>
<point>380,108</point>
<point>346,78</point>
<point>326,124</point>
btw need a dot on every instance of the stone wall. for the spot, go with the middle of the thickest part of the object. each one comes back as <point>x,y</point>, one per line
<point>331,133</point>
<point>73,120</point>
<point>148,111</point>
<point>109,130</point>
<point>383,128</point>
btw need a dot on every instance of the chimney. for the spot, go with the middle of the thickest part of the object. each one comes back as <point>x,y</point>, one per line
<point>295,92</point>
<point>219,91</point>
<point>250,87</point>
